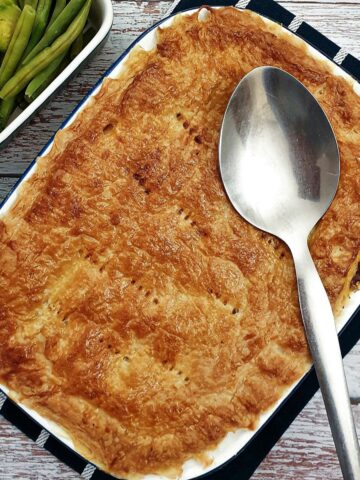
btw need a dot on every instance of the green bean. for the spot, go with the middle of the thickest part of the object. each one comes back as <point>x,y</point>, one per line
<point>6,109</point>
<point>23,76</point>
<point>17,44</point>
<point>9,15</point>
<point>32,3</point>
<point>81,42</point>
<point>41,19</point>
<point>77,46</point>
<point>59,6</point>
<point>57,28</point>
<point>44,78</point>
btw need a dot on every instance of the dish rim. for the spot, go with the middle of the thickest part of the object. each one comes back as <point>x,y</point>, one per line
<point>309,374</point>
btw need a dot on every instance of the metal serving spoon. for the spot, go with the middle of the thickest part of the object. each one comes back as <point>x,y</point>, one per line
<point>279,162</point>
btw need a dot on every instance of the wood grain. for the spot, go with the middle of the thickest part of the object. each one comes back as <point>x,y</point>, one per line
<point>6,183</point>
<point>306,450</point>
<point>352,370</point>
<point>22,459</point>
<point>338,21</point>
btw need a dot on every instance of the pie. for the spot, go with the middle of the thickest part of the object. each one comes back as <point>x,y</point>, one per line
<point>138,310</point>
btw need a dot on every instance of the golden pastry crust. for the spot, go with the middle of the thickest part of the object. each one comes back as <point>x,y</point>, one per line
<point>137,309</point>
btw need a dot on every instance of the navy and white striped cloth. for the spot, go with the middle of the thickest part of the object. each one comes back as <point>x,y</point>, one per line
<point>243,465</point>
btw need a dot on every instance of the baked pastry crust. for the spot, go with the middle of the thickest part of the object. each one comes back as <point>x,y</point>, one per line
<point>137,309</point>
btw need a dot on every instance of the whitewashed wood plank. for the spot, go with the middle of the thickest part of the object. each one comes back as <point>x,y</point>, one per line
<point>306,451</point>
<point>22,459</point>
<point>352,370</point>
<point>338,21</point>
<point>5,185</point>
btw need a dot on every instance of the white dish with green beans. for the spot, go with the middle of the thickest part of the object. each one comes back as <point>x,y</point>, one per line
<point>42,44</point>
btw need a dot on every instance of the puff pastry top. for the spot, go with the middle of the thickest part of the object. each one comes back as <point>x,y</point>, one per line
<point>137,309</point>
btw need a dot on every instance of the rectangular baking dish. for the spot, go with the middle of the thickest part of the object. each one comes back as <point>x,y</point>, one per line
<point>101,18</point>
<point>240,452</point>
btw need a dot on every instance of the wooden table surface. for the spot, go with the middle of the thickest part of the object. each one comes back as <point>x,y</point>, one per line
<point>306,450</point>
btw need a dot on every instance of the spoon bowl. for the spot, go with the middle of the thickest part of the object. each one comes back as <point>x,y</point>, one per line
<point>279,156</point>
<point>280,166</point>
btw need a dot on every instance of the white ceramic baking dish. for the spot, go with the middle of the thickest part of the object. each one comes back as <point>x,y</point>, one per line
<point>101,18</point>
<point>236,442</point>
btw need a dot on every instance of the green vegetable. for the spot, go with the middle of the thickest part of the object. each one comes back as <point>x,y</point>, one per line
<point>18,43</point>
<point>58,27</point>
<point>81,42</point>
<point>41,19</point>
<point>59,6</point>
<point>6,109</point>
<point>45,77</point>
<point>26,73</point>
<point>21,4</point>
<point>9,14</point>
<point>77,46</point>
<point>32,3</point>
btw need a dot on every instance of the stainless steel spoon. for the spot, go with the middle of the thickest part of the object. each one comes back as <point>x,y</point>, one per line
<point>279,162</point>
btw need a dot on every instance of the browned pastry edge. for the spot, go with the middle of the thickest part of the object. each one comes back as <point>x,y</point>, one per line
<point>137,309</point>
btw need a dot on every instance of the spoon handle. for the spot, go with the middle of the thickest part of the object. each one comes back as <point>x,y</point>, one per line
<point>324,346</point>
